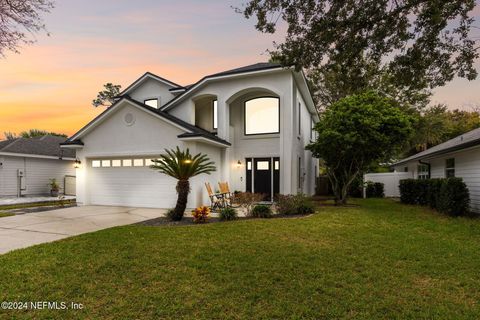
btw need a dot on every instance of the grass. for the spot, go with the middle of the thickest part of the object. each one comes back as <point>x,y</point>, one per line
<point>378,260</point>
<point>4,214</point>
<point>58,203</point>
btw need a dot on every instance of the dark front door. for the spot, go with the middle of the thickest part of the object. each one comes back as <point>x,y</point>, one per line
<point>262,181</point>
<point>260,172</point>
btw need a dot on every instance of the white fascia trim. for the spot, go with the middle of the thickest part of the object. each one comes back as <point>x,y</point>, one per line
<point>71,146</point>
<point>38,156</point>
<point>203,139</point>
<point>92,125</point>
<point>180,98</point>
<point>142,79</point>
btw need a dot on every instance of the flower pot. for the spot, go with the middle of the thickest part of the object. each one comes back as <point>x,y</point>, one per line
<point>54,193</point>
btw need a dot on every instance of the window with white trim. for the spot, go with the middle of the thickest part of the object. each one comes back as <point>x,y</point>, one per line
<point>423,173</point>
<point>152,103</point>
<point>262,116</point>
<point>450,168</point>
<point>215,114</point>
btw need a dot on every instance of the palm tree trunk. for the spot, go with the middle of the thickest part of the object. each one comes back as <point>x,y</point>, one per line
<point>183,189</point>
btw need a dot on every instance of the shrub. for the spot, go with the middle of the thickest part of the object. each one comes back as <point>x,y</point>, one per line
<point>262,211</point>
<point>170,214</point>
<point>448,196</point>
<point>374,189</point>
<point>454,197</point>
<point>294,204</point>
<point>433,194</point>
<point>356,187</point>
<point>247,200</point>
<point>201,214</point>
<point>227,214</point>
<point>408,191</point>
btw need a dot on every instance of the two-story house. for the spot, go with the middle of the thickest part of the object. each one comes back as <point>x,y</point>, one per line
<point>253,122</point>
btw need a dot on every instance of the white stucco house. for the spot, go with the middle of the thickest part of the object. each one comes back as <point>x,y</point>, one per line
<point>253,122</point>
<point>458,157</point>
<point>28,164</point>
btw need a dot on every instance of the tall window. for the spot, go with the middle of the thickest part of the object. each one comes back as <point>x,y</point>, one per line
<point>450,168</point>
<point>215,115</point>
<point>151,103</point>
<point>262,116</point>
<point>299,119</point>
<point>423,173</point>
<point>300,173</point>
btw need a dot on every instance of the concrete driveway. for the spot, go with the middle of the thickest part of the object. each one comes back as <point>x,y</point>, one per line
<point>34,228</point>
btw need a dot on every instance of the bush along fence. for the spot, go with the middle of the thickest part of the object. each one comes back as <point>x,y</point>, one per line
<point>449,196</point>
<point>374,189</point>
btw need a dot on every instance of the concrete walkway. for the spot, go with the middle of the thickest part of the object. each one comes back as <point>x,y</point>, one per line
<point>34,228</point>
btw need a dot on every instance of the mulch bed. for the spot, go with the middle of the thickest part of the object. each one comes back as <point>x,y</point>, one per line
<point>163,221</point>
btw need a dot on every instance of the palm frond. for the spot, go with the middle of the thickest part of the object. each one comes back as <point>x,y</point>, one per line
<point>181,165</point>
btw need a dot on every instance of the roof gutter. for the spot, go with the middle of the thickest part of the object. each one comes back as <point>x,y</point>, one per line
<point>469,144</point>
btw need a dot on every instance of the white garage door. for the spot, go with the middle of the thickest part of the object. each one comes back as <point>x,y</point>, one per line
<point>129,182</point>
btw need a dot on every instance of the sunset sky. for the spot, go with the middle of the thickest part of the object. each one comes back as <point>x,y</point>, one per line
<point>50,84</point>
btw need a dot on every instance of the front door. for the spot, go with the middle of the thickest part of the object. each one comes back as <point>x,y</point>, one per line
<point>261,173</point>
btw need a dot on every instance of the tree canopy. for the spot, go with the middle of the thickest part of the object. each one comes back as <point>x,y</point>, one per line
<point>356,132</point>
<point>438,124</point>
<point>32,133</point>
<point>107,96</point>
<point>401,47</point>
<point>18,20</point>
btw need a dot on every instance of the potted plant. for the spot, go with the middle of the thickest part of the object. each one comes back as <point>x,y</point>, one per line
<point>54,187</point>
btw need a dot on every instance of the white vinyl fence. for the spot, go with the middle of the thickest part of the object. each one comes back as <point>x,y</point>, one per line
<point>390,180</point>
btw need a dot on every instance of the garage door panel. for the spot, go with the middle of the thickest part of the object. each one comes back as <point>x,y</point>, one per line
<point>131,186</point>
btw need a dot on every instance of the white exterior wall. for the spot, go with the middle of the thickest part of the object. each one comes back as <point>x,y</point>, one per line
<point>38,172</point>
<point>467,167</point>
<point>288,145</point>
<point>147,137</point>
<point>152,89</point>
<point>308,164</point>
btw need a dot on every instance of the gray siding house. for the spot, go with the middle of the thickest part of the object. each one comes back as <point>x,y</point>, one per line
<point>27,165</point>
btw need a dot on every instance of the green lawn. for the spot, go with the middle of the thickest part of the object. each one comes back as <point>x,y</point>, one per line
<point>381,260</point>
<point>4,214</point>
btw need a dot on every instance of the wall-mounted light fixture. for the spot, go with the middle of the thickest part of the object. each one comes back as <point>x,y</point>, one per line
<point>187,161</point>
<point>239,164</point>
<point>77,163</point>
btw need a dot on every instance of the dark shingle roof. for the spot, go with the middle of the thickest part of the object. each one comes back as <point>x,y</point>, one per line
<point>250,68</point>
<point>466,140</point>
<point>43,146</point>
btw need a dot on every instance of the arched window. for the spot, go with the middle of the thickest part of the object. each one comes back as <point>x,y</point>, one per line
<point>262,115</point>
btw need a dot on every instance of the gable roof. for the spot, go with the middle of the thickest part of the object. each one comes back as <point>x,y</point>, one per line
<point>466,140</point>
<point>148,75</point>
<point>191,129</point>
<point>257,67</point>
<point>48,146</point>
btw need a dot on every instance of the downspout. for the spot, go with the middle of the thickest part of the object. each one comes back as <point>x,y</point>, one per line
<point>429,167</point>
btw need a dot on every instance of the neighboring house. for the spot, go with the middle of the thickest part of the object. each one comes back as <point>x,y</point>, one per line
<point>253,122</point>
<point>458,157</point>
<point>27,165</point>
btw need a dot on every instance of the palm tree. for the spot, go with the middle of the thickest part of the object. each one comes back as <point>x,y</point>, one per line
<point>182,166</point>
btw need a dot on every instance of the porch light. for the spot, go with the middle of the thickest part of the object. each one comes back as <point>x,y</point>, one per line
<point>239,164</point>
<point>77,164</point>
<point>187,161</point>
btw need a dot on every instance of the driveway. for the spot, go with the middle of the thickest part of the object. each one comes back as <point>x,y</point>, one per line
<point>34,228</point>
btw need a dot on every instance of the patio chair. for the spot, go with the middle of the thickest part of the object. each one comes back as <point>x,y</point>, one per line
<point>225,190</point>
<point>216,201</point>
